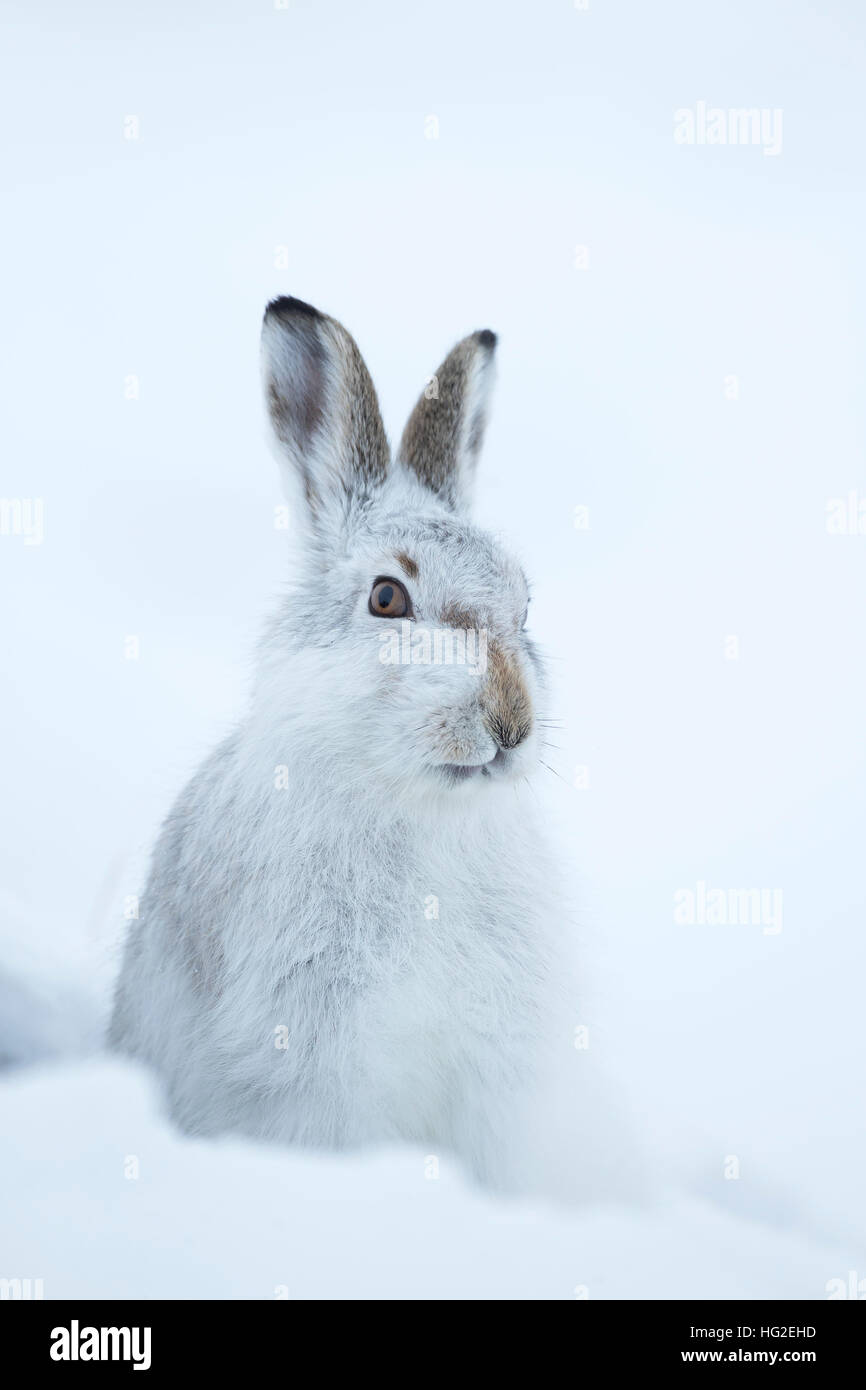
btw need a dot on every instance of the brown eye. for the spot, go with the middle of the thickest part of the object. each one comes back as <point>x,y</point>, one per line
<point>390,600</point>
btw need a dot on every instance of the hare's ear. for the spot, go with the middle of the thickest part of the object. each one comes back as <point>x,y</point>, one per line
<point>323,407</point>
<point>442,439</point>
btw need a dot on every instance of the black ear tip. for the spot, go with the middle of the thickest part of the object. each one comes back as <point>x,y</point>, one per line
<point>287,308</point>
<point>486,339</point>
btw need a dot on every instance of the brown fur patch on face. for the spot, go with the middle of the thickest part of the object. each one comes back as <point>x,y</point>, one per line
<point>455,616</point>
<point>408,564</point>
<point>506,703</point>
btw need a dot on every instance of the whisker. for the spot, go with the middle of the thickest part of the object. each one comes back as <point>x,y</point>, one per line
<point>553,770</point>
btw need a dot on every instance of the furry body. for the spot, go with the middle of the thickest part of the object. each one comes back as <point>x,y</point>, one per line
<point>349,931</point>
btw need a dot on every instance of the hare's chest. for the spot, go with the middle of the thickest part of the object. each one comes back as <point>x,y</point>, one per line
<point>459,971</point>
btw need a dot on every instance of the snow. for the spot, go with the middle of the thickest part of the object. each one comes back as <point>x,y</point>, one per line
<point>102,1197</point>
<point>236,1220</point>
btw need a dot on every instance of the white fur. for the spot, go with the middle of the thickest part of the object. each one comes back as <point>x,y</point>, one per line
<point>369,953</point>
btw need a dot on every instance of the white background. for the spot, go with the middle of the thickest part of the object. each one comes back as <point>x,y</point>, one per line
<point>303,134</point>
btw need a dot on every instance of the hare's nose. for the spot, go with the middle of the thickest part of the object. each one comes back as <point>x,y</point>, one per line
<point>506,703</point>
<point>509,732</point>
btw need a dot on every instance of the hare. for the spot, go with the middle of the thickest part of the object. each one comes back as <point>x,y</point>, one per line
<point>349,933</point>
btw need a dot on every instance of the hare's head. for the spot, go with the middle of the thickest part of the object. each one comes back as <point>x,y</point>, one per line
<point>402,646</point>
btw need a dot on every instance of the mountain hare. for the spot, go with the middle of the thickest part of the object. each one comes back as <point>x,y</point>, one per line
<point>349,931</point>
